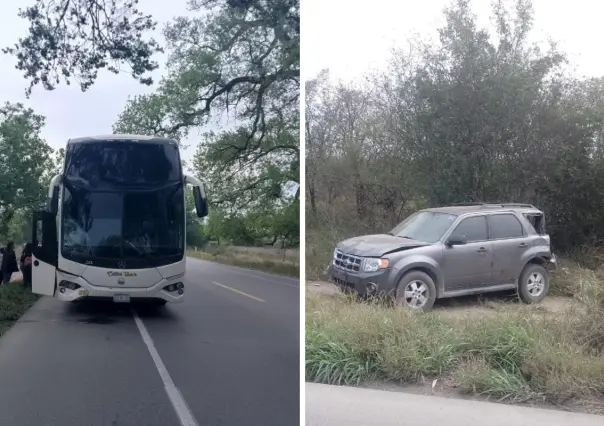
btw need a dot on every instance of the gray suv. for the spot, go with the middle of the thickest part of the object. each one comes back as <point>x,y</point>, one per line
<point>451,251</point>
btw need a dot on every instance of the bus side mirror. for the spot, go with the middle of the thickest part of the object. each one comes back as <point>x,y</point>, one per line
<point>53,195</point>
<point>53,202</point>
<point>201,204</point>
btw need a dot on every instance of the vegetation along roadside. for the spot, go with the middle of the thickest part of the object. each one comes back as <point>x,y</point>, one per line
<point>15,300</point>
<point>254,258</point>
<point>502,350</point>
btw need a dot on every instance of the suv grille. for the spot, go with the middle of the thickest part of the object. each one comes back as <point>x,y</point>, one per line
<point>347,262</point>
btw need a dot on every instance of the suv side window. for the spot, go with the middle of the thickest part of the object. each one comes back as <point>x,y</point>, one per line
<point>471,229</point>
<point>503,226</point>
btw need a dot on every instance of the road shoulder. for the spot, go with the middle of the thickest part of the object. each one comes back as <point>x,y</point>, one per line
<point>328,405</point>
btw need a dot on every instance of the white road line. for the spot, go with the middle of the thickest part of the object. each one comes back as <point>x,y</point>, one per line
<point>270,280</point>
<point>178,402</point>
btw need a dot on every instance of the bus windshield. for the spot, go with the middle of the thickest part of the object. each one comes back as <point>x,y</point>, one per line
<point>122,163</point>
<point>143,225</point>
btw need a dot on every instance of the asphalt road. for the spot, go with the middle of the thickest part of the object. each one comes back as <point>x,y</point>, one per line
<point>228,355</point>
<point>343,406</point>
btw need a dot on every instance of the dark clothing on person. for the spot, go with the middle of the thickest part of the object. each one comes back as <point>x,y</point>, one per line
<point>9,265</point>
<point>25,261</point>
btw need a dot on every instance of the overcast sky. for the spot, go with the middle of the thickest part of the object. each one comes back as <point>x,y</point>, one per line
<point>69,112</point>
<point>348,37</point>
<point>351,37</point>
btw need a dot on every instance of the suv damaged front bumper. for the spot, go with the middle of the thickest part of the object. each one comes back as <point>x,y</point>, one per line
<point>362,283</point>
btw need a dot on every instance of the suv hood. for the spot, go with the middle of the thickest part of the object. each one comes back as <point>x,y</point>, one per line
<point>377,245</point>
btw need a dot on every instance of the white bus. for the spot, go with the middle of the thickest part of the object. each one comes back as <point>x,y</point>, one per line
<point>114,226</point>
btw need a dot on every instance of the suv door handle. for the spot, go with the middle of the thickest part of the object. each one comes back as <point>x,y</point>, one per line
<point>482,250</point>
<point>523,245</point>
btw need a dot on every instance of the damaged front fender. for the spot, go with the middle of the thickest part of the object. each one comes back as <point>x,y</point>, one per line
<point>423,263</point>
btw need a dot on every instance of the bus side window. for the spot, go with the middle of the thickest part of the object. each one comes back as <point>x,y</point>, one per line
<point>39,233</point>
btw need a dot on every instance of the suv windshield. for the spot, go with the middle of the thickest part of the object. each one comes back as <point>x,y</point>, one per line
<point>123,225</point>
<point>111,163</point>
<point>424,226</point>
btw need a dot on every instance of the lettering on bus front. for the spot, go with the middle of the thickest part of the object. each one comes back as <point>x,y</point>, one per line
<point>121,274</point>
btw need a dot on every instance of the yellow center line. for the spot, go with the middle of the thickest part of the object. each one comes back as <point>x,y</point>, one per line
<point>240,292</point>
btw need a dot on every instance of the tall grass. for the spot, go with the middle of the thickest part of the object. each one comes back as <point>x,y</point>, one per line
<point>515,355</point>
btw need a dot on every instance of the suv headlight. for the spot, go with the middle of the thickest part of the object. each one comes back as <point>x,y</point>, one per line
<point>372,264</point>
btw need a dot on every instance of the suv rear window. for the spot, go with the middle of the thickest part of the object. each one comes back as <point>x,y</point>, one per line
<point>504,226</point>
<point>538,222</point>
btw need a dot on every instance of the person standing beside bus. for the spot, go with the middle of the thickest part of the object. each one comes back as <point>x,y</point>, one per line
<point>25,260</point>
<point>9,263</point>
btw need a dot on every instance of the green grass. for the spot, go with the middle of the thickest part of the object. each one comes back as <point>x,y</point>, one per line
<point>516,355</point>
<point>15,300</point>
<point>260,261</point>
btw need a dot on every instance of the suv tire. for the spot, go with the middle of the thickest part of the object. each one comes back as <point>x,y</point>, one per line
<point>533,284</point>
<point>415,284</point>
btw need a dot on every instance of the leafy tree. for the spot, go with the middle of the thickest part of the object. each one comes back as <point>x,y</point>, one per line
<point>475,116</point>
<point>256,179</point>
<point>285,224</point>
<point>226,58</point>
<point>24,158</point>
<point>58,160</point>
<point>74,39</point>
<point>19,227</point>
<point>242,59</point>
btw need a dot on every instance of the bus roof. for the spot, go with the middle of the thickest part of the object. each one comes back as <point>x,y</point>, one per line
<point>122,137</point>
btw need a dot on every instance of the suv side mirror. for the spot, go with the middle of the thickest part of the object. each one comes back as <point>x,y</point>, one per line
<point>456,241</point>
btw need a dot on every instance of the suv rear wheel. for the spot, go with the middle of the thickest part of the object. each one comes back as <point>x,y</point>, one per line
<point>416,291</point>
<point>533,284</point>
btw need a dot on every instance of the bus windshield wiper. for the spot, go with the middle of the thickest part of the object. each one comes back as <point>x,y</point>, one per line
<point>139,250</point>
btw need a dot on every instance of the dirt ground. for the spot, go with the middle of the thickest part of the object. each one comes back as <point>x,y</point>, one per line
<point>479,305</point>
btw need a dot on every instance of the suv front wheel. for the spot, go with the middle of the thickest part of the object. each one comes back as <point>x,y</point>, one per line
<point>416,291</point>
<point>533,284</point>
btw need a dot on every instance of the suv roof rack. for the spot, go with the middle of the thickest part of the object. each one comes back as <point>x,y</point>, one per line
<point>486,205</point>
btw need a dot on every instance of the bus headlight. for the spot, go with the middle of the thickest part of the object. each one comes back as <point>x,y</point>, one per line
<point>68,284</point>
<point>173,287</point>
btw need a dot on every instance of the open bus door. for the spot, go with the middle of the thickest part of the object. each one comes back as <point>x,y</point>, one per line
<point>45,253</point>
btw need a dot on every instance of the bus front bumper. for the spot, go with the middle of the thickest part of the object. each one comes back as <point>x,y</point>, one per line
<point>66,292</point>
